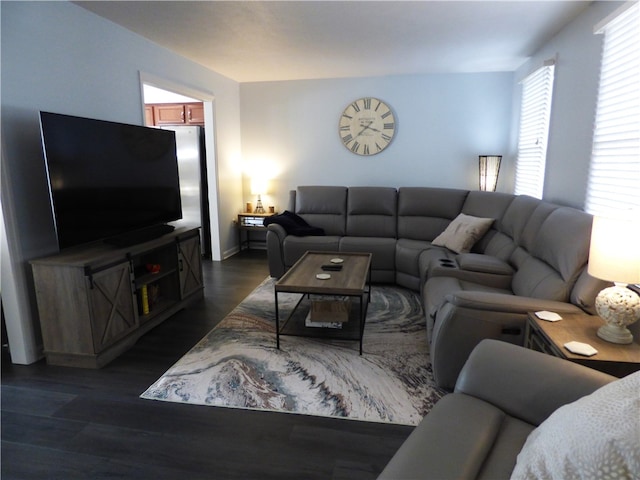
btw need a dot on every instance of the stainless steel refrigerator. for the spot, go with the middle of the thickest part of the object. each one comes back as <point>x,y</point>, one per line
<point>192,169</point>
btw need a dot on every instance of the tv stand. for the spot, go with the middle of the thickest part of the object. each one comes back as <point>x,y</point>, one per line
<point>139,236</point>
<point>96,301</point>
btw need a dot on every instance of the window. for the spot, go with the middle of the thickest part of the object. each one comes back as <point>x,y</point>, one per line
<point>537,91</point>
<point>614,176</point>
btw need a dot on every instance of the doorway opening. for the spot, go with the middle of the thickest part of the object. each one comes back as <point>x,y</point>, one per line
<point>189,113</point>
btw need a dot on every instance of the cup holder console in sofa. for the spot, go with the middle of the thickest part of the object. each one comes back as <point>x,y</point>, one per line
<point>532,257</point>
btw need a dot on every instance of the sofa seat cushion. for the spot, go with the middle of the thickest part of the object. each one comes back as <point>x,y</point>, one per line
<point>295,247</point>
<point>462,437</point>
<point>382,250</point>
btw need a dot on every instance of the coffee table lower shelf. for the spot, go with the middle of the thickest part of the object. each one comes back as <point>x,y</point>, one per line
<point>294,324</point>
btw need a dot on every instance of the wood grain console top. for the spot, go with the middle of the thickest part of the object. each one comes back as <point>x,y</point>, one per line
<point>351,280</point>
<point>583,328</point>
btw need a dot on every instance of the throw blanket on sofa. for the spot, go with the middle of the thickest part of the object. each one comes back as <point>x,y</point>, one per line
<point>293,224</point>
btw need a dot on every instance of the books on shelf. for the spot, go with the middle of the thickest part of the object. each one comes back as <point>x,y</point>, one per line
<point>148,297</point>
<point>144,300</point>
<point>328,311</point>
<point>310,323</point>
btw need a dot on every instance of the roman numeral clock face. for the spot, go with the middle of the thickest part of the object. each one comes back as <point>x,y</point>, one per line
<point>367,126</point>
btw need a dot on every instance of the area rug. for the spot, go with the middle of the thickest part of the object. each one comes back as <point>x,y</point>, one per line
<point>238,365</point>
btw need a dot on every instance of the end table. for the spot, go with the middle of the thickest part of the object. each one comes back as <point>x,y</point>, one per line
<point>250,222</point>
<point>550,337</point>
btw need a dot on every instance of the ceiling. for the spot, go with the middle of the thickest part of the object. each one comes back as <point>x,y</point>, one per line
<point>252,41</point>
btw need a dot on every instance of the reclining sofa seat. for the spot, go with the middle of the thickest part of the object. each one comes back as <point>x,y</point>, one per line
<point>371,227</point>
<point>354,220</point>
<point>423,213</point>
<point>476,204</point>
<point>323,207</point>
<point>549,255</point>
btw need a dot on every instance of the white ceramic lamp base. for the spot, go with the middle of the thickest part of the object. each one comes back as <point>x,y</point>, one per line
<point>618,306</point>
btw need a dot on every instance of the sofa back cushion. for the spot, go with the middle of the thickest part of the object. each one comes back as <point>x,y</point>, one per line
<point>487,205</point>
<point>424,213</point>
<point>517,219</point>
<point>371,212</point>
<point>324,207</point>
<point>585,291</point>
<point>557,253</point>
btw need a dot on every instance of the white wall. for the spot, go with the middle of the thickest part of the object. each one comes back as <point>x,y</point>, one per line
<point>59,57</point>
<point>444,123</point>
<point>575,94</point>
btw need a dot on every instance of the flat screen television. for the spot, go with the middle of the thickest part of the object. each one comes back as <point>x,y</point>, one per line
<point>109,181</point>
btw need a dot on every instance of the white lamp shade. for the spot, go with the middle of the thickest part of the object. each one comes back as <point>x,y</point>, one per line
<point>258,186</point>
<point>615,249</point>
<point>489,166</point>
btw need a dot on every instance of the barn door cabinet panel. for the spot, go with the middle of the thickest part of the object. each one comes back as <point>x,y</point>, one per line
<point>190,266</point>
<point>95,301</point>
<point>112,308</point>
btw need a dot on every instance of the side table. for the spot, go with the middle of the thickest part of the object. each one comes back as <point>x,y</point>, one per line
<point>250,222</point>
<point>550,337</point>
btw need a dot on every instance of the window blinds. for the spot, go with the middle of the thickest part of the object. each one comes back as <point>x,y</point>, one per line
<point>535,112</point>
<point>614,176</point>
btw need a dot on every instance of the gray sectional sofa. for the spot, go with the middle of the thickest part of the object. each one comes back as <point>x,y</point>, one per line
<point>533,257</point>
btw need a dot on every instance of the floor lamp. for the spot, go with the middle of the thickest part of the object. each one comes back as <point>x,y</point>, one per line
<point>489,166</point>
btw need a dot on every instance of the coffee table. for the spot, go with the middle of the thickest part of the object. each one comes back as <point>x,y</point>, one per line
<point>353,280</point>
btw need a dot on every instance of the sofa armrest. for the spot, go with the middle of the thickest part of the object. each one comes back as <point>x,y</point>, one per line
<point>504,302</point>
<point>491,271</point>
<point>526,384</point>
<point>275,252</point>
<point>477,262</point>
<point>466,318</point>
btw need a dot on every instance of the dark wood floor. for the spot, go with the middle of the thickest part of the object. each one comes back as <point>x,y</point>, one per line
<point>67,423</point>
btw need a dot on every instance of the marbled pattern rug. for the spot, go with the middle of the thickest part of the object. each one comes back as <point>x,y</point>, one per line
<point>237,364</point>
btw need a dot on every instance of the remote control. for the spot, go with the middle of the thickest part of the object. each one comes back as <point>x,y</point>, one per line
<point>335,268</point>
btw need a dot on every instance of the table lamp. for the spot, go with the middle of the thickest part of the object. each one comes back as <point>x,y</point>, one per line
<point>489,168</point>
<point>614,256</point>
<point>258,187</point>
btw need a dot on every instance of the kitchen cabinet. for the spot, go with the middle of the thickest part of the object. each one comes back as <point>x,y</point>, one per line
<point>175,114</point>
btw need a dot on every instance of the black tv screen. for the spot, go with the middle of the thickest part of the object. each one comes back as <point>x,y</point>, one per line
<point>108,178</point>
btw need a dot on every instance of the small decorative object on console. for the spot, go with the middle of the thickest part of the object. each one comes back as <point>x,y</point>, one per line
<point>580,348</point>
<point>153,267</point>
<point>548,316</point>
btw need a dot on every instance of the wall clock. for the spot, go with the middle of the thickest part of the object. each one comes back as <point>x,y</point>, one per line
<point>367,126</point>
